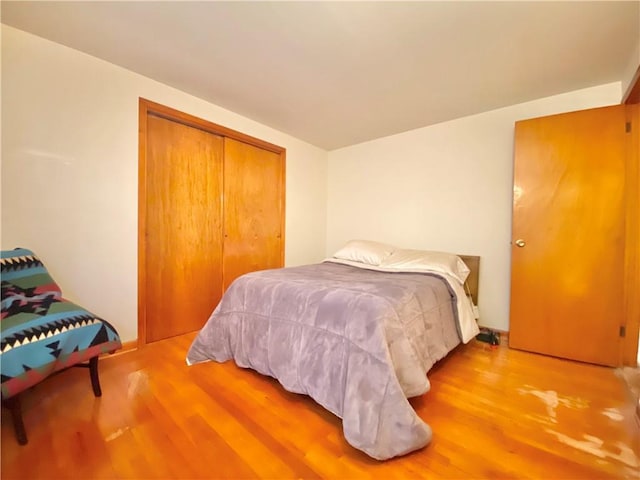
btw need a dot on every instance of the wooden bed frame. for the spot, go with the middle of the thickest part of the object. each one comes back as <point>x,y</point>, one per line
<point>473,263</point>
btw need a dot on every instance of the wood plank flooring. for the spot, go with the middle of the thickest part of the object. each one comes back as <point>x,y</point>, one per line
<point>495,414</point>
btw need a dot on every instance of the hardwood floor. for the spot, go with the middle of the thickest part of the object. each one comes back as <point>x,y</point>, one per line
<point>495,414</point>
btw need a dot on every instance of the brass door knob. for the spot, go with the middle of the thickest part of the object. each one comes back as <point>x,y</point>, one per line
<point>520,243</point>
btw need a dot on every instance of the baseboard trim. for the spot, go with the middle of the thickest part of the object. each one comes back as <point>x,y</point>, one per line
<point>126,348</point>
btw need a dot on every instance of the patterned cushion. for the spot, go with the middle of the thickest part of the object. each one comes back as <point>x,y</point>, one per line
<point>24,274</point>
<point>41,332</point>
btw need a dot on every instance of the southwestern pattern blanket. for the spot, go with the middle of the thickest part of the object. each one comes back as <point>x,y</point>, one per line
<point>41,332</point>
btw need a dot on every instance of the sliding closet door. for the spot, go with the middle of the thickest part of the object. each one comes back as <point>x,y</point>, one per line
<point>183,237</point>
<point>253,209</point>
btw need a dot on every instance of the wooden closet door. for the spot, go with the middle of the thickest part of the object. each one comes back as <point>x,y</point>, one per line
<point>253,209</point>
<point>568,249</point>
<point>183,238</point>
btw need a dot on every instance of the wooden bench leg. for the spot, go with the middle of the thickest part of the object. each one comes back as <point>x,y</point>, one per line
<point>95,380</point>
<point>14,406</point>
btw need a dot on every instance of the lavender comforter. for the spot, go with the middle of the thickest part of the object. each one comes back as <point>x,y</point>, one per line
<point>358,342</point>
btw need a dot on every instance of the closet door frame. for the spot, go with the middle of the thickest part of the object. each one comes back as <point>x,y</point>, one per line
<point>146,108</point>
<point>631,339</point>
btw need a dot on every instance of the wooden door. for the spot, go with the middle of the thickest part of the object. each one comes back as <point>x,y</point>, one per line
<point>568,235</point>
<point>253,209</point>
<point>183,237</point>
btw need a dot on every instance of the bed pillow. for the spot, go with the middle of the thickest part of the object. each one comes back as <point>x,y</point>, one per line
<point>365,251</point>
<point>421,260</point>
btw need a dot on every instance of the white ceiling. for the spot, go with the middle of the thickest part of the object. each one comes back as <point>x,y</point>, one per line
<point>340,73</point>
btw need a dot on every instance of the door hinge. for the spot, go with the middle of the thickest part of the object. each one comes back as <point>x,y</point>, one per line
<point>627,127</point>
<point>623,331</point>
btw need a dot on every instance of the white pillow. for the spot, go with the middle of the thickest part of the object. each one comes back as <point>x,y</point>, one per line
<point>365,251</point>
<point>420,260</point>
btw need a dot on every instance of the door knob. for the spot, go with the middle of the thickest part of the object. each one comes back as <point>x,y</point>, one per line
<point>520,243</point>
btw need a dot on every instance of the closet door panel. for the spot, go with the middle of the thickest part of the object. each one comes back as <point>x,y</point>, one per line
<point>253,209</point>
<point>183,238</point>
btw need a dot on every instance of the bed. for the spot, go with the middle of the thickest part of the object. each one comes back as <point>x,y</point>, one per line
<point>357,333</point>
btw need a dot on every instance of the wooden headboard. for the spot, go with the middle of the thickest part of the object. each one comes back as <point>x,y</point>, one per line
<point>472,280</point>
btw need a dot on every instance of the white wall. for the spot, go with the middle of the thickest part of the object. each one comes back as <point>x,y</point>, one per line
<point>634,61</point>
<point>444,187</point>
<point>70,178</point>
<point>630,71</point>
